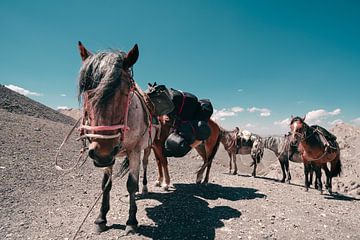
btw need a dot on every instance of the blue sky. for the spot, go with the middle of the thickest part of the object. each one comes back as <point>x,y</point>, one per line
<point>258,61</point>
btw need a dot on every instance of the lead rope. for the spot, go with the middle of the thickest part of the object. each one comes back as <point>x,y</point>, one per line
<point>94,204</point>
<point>82,151</point>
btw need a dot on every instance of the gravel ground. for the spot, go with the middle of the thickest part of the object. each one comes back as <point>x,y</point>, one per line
<point>39,202</point>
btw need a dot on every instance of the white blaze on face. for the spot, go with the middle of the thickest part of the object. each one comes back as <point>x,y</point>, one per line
<point>295,126</point>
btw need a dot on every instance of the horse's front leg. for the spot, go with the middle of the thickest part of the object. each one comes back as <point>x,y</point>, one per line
<point>230,162</point>
<point>163,171</point>
<point>202,152</point>
<point>132,185</point>
<point>235,164</point>
<point>105,205</point>
<point>145,162</point>
<point>255,165</point>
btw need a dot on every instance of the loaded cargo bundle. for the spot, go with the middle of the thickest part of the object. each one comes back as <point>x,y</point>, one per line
<point>190,117</point>
<point>161,99</point>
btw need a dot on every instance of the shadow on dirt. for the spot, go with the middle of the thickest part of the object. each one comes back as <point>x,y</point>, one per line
<point>185,213</point>
<point>340,197</point>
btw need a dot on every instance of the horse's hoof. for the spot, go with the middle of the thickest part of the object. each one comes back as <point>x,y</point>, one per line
<point>157,184</point>
<point>206,181</point>
<point>145,190</point>
<point>288,181</point>
<point>234,173</point>
<point>165,187</point>
<point>99,228</point>
<point>282,180</point>
<point>306,189</point>
<point>130,229</point>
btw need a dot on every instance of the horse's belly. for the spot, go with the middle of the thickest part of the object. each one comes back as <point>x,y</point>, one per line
<point>244,150</point>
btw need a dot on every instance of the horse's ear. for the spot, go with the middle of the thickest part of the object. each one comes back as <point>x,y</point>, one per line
<point>131,57</point>
<point>84,53</point>
<point>304,118</point>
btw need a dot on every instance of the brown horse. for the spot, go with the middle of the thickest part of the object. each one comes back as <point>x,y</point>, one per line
<point>115,121</point>
<point>206,149</point>
<point>255,150</point>
<point>316,150</point>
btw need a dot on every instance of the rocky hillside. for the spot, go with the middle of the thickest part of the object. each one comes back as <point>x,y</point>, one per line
<point>16,103</point>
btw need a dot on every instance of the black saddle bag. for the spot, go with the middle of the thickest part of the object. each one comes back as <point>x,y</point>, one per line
<point>176,146</point>
<point>160,97</point>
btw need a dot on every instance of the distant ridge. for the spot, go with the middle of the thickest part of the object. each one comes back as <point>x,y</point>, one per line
<point>19,104</point>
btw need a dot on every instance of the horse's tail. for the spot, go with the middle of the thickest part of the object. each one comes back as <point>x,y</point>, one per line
<point>215,148</point>
<point>124,168</point>
<point>336,170</point>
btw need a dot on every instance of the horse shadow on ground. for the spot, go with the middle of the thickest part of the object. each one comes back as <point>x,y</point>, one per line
<point>333,196</point>
<point>185,213</point>
<point>340,197</point>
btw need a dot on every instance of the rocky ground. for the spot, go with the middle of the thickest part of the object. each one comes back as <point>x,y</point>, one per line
<point>39,202</point>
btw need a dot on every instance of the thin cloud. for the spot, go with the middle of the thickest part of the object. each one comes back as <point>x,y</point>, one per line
<point>283,123</point>
<point>63,108</point>
<point>226,112</point>
<point>356,121</point>
<point>63,95</point>
<point>336,122</point>
<point>317,116</point>
<point>240,90</point>
<point>237,109</point>
<point>22,91</point>
<point>264,112</point>
<point>249,125</point>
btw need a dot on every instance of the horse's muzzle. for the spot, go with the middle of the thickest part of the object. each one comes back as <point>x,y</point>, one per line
<point>102,161</point>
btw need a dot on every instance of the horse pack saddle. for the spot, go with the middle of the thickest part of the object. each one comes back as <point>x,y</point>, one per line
<point>327,139</point>
<point>244,139</point>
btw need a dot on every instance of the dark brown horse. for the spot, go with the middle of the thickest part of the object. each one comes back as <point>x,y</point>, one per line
<point>206,149</point>
<point>317,151</point>
<point>115,121</point>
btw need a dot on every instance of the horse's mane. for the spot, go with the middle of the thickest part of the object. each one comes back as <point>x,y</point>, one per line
<point>101,71</point>
<point>297,119</point>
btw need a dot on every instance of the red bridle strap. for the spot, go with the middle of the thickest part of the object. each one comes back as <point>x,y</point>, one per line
<point>104,128</point>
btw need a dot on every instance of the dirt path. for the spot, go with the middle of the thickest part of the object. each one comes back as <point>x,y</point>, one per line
<point>37,202</point>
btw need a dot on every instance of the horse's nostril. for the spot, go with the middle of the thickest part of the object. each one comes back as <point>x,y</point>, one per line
<point>92,153</point>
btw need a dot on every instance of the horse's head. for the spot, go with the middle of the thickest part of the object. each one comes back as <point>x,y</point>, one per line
<point>298,130</point>
<point>105,86</point>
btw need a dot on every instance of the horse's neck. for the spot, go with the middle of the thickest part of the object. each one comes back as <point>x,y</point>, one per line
<point>311,139</point>
<point>228,140</point>
<point>273,144</point>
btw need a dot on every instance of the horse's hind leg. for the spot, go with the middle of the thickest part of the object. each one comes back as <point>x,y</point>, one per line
<point>318,178</point>
<point>306,175</point>
<point>328,184</point>
<point>105,205</point>
<point>288,170</point>
<point>235,164</point>
<point>132,185</point>
<point>283,170</point>
<point>145,161</point>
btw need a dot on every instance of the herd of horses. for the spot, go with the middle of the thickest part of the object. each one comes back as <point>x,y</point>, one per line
<point>117,122</point>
